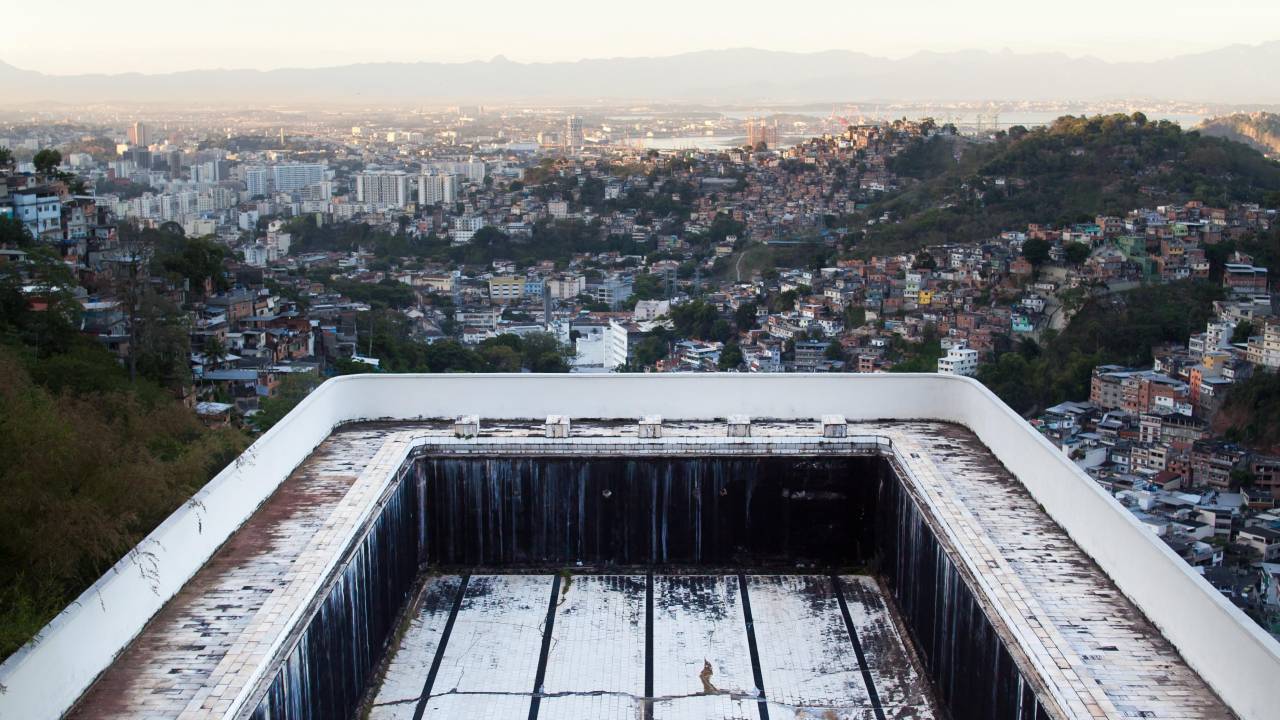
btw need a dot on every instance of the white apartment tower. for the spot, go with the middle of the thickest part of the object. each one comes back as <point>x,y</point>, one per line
<point>255,180</point>
<point>383,188</point>
<point>206,172</point>
<point>436,189</point>
<point>291,177</point>
<point>473,170</point>
<point>572,131</point>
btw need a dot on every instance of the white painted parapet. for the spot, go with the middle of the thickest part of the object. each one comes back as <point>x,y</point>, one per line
<point>1236,657</point>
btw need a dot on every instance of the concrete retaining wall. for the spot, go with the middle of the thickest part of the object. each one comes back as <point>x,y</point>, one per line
<point>1233,655</point>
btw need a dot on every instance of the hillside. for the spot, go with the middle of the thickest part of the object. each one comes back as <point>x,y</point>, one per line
<point>1071,171</point>
<point>1260,130</point>
<point>1251,414</point>
<point>1120,328</point>
<point>89,461</point>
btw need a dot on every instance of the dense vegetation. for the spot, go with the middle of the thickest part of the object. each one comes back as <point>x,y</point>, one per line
<point>917,357</point>
<point>89,461</point>
<point>1251,413</point>
<point>701,321</point>
<point>386,336</point>
<point>557,241</point>
<point>1120,328</point>
<point>1264,248</point>
<point>1070,171</point>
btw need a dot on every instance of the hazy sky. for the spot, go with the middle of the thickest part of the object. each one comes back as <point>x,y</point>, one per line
<point>75,36</point>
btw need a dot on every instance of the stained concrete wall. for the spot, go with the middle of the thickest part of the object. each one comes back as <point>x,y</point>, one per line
<point>1233,655</point>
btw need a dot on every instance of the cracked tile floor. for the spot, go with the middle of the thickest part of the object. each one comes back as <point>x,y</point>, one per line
<point>699,662</point>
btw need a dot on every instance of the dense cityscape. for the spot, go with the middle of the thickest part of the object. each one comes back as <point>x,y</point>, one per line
<point>236,269</point>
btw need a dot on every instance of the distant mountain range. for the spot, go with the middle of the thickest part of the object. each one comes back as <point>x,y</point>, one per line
<point>1231,75</point>
<point>1260,130</point>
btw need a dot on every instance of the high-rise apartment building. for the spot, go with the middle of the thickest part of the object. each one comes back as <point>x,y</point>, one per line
<point>138,135</point>
<point>141,157</point>
<point>174,160</point>
<point>206,172</point>
<point>320,192</point>
<point>291,177</point>
<point>437,189</point>
<point>760,131</point>
<point>383,188</point>
<point>255,180</point>
<point>449,185</point>
<point>572,131</point>
<point>473,170</point>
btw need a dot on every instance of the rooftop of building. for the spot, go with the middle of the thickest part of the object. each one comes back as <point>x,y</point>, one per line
<point>1102,616</point>
<point>1094,650</point>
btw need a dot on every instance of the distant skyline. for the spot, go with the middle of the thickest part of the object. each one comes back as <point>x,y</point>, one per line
<point>158,36</point>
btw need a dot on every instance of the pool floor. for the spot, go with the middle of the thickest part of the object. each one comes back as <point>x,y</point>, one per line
<point>667,647</point>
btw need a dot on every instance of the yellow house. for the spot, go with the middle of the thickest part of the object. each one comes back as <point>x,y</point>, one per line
<point>1215,358</point>
<point>506,289</point>
<point>926,297</point>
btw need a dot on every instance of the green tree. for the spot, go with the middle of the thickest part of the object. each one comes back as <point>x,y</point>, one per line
<point>1251,413</point>
<point>1036,251</point>
<point>1119,329</point>
<point>1029,348</point>
<point>855,316</point>
<point>648,286</point>
<point>38,308</point>
<point>1077,253</point>
<point>501,358</point>
<point>1012,377</point>
<point>541,352</point>
<point>47,161</point>
<point>162,341</point>
<point>88,468</point>
<point>291,391</point>
<point>1242,478</point>
<point>651,348</point>
<point>730,357</point>
<point>13,233</point>
<point>215,351</point>
<point>783,301</point>
<point>700,320</point>
<point>193,259</point>
<point>1242,332</point>
<point>347,366</point>
<point>922,356</point>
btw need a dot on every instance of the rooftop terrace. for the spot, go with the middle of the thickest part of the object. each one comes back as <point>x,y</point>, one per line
<point>1099,619</point>
<point>1092,648</point>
